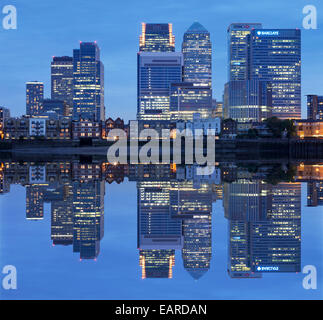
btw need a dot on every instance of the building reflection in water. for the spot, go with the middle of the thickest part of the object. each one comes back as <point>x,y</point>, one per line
<point>174,211</point>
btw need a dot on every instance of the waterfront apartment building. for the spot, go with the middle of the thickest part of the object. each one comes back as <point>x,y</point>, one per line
<point>197,54</point>
<point>314,107</point>
<point>88,91</point>
<point>309,128</point>
<point>157,37</point>
<point>34,98</point>
<point>156,72</point>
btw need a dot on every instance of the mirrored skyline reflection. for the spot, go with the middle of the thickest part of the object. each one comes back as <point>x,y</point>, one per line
<point>235,224</point>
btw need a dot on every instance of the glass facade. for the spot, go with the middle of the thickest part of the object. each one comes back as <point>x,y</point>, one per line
<point>157,37</point>
<point>88,92</point>
<point>197,53</point>
<point>275,56</point>
<point>156,72</point>
<point>248,100</point>
<point>265,227</point>
<point>62,80</point>
<point>238,49</point>
<point>189,98</point>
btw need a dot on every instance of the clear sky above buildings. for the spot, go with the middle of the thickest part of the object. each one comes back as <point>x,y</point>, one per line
<point>47,29</point>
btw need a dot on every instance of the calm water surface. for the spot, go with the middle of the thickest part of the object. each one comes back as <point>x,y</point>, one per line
<point>77,230</point>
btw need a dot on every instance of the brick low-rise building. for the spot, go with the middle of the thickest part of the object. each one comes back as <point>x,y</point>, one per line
<point>309,128</point>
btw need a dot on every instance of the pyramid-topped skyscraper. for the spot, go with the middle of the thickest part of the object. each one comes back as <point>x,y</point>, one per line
<point>197,51</point>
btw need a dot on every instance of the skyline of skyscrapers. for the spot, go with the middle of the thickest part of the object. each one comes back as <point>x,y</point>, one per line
<point>271,57</point>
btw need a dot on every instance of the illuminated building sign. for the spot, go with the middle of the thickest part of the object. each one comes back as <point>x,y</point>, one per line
<point>267,268</point>
<point>268,33</point>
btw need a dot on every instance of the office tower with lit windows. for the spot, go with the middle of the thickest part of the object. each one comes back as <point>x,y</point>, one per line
<point>4,116</point>
<point>4,184</point>
<point>88,210</point>
<point>314,194</point>
<point>191,203</point>
<point>157,263</point>
<point>217,108</point>
<point>34,202</point>
<point>156,228</point>
<point>157,37</point>
<point>239,251</point>
<point>275,56</point>
<point>55,109</point>
<point>188,98</point>
<point>62,218</point>
<point>238,43</point>
<point>62,80</point>
<point>156,72</point>
<point>276,241</point>
<point>197,53</point>
<point>314,107</point>
<point>245,202</point>
<point>88,85</point>
<point>197,249</point>
<point>34,98</point>
<point>248,100</point>
<point>269,55</point>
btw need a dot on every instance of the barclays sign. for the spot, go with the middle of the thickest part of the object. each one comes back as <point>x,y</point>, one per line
<point>268,33</point>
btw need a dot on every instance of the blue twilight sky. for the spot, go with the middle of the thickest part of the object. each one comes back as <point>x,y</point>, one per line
<point>54,28</point>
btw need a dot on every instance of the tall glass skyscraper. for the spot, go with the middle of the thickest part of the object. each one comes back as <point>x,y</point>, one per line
<point>157,37</point>
<point>62,80</point>
<point>88,93</point>
<point>88,210</point>
<point>197,53</point>
<point>271,55</point>
<point>156,72</point>
<point>275,56</point>
<point>34,98</point>
<point>238,37</point>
